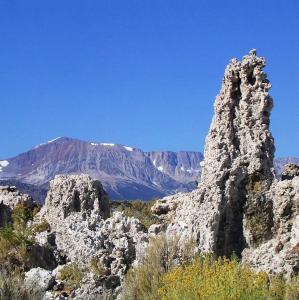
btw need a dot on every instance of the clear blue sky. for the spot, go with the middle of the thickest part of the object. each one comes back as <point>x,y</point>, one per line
<point>142,73</point>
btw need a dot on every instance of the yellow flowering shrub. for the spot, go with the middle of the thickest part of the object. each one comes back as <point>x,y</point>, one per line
<point>170,272</point>
<point>223,279</point>
<point>144,281</point>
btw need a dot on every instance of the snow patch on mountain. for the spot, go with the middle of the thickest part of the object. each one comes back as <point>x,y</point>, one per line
<point>129,148</point>
<point>189,170</point>
<point>3,164</point>
<point>108,144</point>
<point>48,142</point>
<point>193,170</point>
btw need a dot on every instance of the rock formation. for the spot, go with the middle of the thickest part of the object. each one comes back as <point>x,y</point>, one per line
<point>238,207</point>
<point>280,254</point>
<point>10,197</point>
<point>78,213</point>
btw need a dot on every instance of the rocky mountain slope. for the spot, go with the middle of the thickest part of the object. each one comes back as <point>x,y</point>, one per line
<point>125,172</point>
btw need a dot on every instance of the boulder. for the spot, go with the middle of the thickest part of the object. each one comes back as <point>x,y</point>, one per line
<point>38,278</point>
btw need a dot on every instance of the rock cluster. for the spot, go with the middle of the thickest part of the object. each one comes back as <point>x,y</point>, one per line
<point>77,211</point>
<point>280,253</point>
<point>10,197</point>
<point>290,171</point>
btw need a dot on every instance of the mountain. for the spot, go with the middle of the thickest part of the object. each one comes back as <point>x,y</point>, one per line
<point>125,172</point>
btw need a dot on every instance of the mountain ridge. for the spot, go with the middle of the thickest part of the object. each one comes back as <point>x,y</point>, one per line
<point>126,172</point>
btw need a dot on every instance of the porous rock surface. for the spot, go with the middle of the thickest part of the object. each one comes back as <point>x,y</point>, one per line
<point>39,278</point>
<point>290,171</point>
<point>10,197</point>
<point>280,254</point>
<point>239,206</point>
<point>77,210</point>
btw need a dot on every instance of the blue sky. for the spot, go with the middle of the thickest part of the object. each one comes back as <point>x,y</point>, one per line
<point>140,73</point>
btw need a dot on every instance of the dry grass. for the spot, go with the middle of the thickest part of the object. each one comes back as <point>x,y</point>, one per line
<point>40,227</point>
<point>71,275</point>
<point>97,267</point>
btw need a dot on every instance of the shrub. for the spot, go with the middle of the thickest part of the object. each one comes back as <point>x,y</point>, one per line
<point>40,227</point>
<point>138,209</point>
<point>144,281</point>
<point>97,267</point>
<point>21,214</point>
<point>170,272</point>
<point>292,289</point>
<point>16,239</point>
<point>12,288</point>
<point>223,279</point>
<point>14,247</point>
<point>72,275</point>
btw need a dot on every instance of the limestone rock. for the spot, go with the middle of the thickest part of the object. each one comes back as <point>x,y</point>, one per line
<point>238,167</point>
<point>77,210</point>
<point>39,278</point>
<point>280,255</point>
<point>76,194</point>
<point>290,171</point>
<point>239,206</point>
<point>10,197</point>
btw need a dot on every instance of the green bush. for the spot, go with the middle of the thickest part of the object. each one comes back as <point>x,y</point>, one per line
<point>21,214</point>
<point>14,249</point>
<point>16,239</point>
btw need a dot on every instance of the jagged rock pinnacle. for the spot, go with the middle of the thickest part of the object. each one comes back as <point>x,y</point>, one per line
<point>238,166</point>
<point>239,151</point>
<point>239,206</point>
